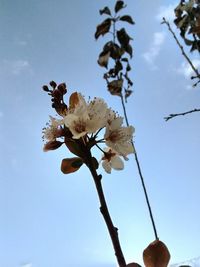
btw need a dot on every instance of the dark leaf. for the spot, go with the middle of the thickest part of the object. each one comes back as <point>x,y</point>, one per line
<point>74,148</point>
<point>119,5</point>
<point>125,59</point>
<point>52,145</point>
<point>103,59</point>
<point>103,28</point>
<point>71,165</point>
<point>115,87</point>
<point>118,67</point>
<point>115,51</point>
<point>156,255</point>
<point>123,37</point>
<point>128,93</point>
<point>105,10</point>
<point>129,50</point>
<point>128,67</point>
<point>127,18</point>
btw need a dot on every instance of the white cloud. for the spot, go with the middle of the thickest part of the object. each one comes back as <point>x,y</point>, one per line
<point>14,67</point>
<point>154,49</point>
<point>186,70</point>
<point>167,12</point>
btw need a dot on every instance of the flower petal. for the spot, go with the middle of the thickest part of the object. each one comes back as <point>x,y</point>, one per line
<point>117,163</point>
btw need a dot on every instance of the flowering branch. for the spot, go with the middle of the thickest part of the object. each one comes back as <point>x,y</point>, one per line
<point>78,128</point>
<point>171,116</point>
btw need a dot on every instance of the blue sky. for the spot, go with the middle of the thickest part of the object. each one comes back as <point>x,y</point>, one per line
<point>49,219</point>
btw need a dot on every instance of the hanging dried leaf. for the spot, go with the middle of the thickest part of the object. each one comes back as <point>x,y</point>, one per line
<point>115,87</point>
<point>103,59</point>
<point>119,5</point>
<point>52,145</point>
<point>156,255</point>
<point>105,10</point>
<point>129,50</point>
<point>127,18</point>
<point>71,165</point>
<point>103,28</point>
<point>123,37</point>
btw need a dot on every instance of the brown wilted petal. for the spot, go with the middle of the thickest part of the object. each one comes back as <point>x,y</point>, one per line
<point>156,255</point>
<point>52,145</point>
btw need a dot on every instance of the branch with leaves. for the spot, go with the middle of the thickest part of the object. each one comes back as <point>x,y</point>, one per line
<point>118,85</point>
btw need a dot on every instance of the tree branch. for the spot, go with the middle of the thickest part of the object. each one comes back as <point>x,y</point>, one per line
<point>183,53</point>
<point>171,116</point>
<point>113,231</point>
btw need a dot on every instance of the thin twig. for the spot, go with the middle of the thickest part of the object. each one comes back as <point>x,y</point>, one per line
<point>171,116</point>
<point>141,175</point>
<point>113,231</point>
<point>182,51</point>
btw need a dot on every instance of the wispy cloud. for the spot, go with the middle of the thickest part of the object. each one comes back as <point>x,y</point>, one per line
<point>167,12</point>
<point>154,49</point>
<point>14,67</point>
<point>27,265</point>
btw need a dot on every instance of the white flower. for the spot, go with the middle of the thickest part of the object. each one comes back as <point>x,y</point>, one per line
<point>86,118</point>
<point>118,137</point>
<point>111,160</point>
<point>51,132</point>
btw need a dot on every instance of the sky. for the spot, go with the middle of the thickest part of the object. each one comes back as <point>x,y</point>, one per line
<point>49,219</point>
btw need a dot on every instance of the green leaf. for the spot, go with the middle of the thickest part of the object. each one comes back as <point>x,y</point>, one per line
<point>105,10</point>
<point>103,28</point>
<point>71,165</point>
<point>119,5</point>
<point>127,18</point>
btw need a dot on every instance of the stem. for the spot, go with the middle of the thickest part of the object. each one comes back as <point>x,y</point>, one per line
<point>141,175</point>
<point>113,231</point>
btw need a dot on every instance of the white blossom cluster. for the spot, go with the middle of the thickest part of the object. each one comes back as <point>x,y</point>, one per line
<point>87,119</point>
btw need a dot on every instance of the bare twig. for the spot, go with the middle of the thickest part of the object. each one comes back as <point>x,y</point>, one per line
<point>113,231</point>
<point>171,116</point>
<point>183,53</point>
